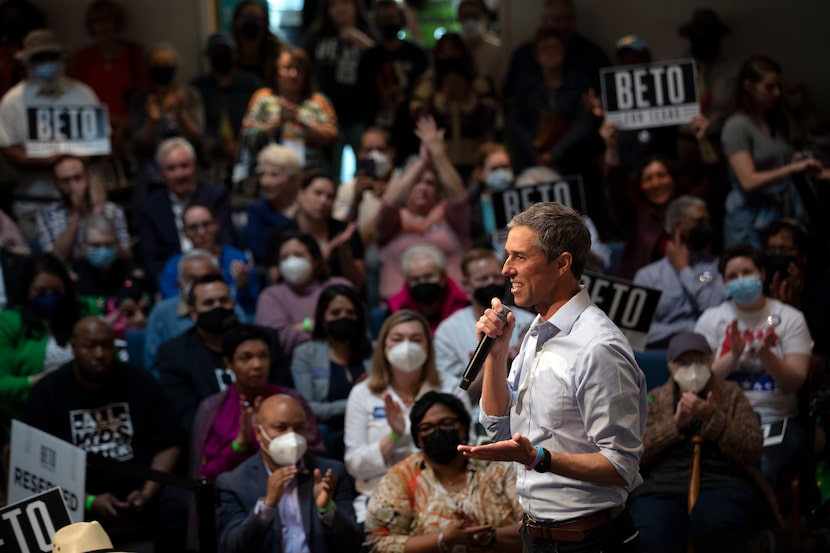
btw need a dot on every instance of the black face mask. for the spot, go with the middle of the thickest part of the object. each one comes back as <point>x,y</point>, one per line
<point>451,65</point>
<point>388,31</point>
<point>701,236</point>
<point>221,62</point>
<point>342,330</point>
<point>216,321</point>
<point>162,74</point>
<point>704,48</point>
<point>250,29</point>
<point>426,292</point>
<point>484,294</point>
<point>776,264</point>
<point>441,446</point>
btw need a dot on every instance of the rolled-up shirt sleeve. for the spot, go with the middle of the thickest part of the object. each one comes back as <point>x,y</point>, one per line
<point>611,394</point>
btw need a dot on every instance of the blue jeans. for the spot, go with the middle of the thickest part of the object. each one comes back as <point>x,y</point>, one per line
<point>725,518</point>
<point>618,536</point>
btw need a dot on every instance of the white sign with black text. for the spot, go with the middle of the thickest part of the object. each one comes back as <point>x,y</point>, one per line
<point>39,462</point>
<point>629,305</point>
<point>76,130</point>
<point>567,190</point>
<point>29,526</point>
<point>659,94</point>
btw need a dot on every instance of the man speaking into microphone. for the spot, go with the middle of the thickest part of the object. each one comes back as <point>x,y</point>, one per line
<point>572,408</point>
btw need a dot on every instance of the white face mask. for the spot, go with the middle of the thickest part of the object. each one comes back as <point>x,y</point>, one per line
<point>472,28</point>
<point>692,377</point>
<point>286,449</point>
<point>295,270</point>
<point>407,356</point>
<point>383,165</point>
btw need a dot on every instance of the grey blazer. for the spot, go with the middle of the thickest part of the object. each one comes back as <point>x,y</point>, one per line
<point>311,371</point>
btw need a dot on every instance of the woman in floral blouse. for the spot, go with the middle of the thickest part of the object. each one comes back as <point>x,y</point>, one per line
<point>292,113</point>
<point>437,500</point>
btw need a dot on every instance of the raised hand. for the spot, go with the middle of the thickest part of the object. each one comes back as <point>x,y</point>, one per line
<point>677,252</point>
<point>323,487</point>
<point>394,414</point>
<point>700,126</point>
<point>737,338</point>
<point>277,482</point>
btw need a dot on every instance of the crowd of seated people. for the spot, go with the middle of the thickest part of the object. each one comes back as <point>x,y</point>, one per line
<point>300,339</point>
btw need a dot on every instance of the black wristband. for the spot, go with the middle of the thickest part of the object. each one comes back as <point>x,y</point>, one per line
<point>544,464</point>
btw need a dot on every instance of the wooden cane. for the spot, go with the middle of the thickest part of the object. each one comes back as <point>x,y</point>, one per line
<point>694,481</point>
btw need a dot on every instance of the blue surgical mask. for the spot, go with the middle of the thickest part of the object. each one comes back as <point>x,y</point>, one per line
<point>500,179</point>
<point>101,257</point>
<point>49,302</point>
<point>47,71</point>
<point>745,290</point>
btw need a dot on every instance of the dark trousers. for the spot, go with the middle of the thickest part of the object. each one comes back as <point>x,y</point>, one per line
<point>725,518</point>
<point>617,536</point>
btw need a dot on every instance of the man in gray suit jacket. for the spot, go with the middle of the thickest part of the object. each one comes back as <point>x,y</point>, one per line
<point>282,499</point>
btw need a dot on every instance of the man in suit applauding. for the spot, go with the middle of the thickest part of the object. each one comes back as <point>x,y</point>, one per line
<point>284,499</point>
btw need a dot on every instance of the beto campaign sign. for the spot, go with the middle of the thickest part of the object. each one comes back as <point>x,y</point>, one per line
<point>659,94</point>
<point>29,526</point>
<point>77,130</point>
<point>630,306</point>
<point>567,190</point>
<point>39,462</point>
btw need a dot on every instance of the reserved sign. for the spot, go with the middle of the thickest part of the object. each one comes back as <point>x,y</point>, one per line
<point>40,462</point>
<point>659,94</point>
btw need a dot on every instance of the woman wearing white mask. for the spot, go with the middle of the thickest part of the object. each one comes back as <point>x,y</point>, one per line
<point>340,244</point>
<point>377,434</point>
<point>288,306</point>
<point>763,345</point>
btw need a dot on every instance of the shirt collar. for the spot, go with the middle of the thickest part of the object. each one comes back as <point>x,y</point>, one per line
<point>564,318</point>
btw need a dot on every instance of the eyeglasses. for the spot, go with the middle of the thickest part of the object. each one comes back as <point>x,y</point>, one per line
<point>195,227</point>
<point>448,423</point>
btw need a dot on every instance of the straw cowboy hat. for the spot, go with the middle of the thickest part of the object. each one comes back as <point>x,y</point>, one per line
<point>82,537</point>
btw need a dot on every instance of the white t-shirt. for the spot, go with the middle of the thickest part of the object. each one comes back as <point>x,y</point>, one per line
<point>769,401</point>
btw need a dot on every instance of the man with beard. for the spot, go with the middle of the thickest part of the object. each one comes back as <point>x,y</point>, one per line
<point>687,275</point>
<point>428,289</point>
<point>61,225</point>
<point>191,367</point>
<point>455,338</point>
<point>118,412</point>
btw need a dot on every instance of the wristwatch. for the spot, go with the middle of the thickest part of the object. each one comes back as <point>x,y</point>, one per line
<point>544,464</point>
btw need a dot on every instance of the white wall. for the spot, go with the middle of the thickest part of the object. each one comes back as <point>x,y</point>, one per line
<point>792,31</point>
<point>183,23</point>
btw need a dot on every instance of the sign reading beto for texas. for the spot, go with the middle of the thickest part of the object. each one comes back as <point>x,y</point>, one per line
<point>77,130</point>
<point>659,94</point>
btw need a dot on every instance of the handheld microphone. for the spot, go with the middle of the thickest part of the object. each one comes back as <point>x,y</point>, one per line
<point>480,354</point>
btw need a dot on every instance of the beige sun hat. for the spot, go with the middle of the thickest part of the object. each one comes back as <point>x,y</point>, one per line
<point>82,537</point>
<point>39,41</point>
